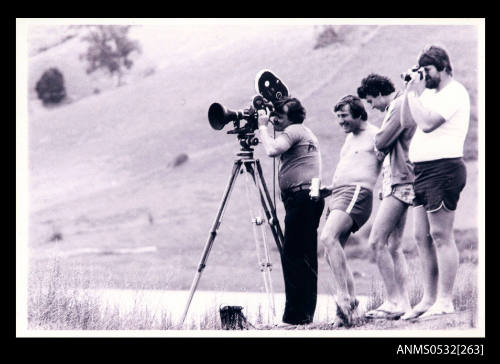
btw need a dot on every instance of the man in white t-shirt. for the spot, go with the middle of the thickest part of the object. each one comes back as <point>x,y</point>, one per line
<point>440,107</point>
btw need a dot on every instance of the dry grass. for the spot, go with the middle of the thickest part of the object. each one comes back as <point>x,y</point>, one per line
<point>55,304</point>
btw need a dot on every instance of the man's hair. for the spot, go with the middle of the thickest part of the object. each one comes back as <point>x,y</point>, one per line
<point>355,105</point>
<point>296,112</point>
<point>436,56</point>
<point>375,85</point>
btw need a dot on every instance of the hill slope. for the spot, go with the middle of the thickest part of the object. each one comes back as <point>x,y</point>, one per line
<point>101,168</point>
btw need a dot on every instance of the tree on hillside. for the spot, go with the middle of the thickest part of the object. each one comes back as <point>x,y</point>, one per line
<point>50,87</point>
<point>110,49</point>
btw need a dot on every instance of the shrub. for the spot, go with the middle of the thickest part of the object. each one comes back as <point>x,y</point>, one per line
<point>50,87</point>
<point>180,159</point>
<point>326,36</point>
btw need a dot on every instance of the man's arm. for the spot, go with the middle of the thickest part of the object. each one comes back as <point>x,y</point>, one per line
<point>406,118</point>
<point>273,147</point>
<point>426,119</point>
<point>389,133</point>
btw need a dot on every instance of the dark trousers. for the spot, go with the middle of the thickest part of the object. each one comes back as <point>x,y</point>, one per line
<point>300,256</point>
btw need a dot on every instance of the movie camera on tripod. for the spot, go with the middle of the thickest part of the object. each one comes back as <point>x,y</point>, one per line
<point>245,121</point>
<point>219,116</point>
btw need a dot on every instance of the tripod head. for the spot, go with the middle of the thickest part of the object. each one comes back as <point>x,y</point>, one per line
<point>247,141</point>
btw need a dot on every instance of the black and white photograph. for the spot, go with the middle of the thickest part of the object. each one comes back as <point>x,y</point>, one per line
<point>250,177</point>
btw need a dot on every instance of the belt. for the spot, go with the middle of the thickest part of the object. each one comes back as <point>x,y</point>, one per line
<point>302,187</point>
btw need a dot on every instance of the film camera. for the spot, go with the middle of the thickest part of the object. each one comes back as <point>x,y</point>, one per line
<point>245,121</point>
<point>415,70</point>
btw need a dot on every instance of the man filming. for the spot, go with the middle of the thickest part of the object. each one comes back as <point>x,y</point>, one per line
<point>440,107</point>
<point>300,162</point>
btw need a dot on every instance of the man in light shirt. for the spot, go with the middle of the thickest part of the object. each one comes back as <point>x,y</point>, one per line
<point>440,107</point>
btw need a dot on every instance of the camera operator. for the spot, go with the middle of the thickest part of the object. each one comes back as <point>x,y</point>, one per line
<point>300,161</point>
<point>440,108</point>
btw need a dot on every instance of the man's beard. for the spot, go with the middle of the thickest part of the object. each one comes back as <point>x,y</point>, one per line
<point>432,82</point>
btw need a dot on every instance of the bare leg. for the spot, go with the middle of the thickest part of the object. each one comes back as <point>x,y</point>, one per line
<point>349,277</point>
<point>334,234</point>
<point>441,227</point>
<point>428,257</point>
<point>385,239</point>
<point>400,266</point>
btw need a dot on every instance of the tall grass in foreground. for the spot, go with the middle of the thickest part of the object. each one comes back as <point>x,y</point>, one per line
<point>53,304</point>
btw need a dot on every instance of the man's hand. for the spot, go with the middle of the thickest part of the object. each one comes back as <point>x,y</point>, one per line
<point>263,117</point>
<point>416,83</point>
<point>380,155</point>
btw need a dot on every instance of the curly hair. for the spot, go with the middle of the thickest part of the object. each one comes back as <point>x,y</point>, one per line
<point>355,105</point>
<point>436,56</point>
<point>375,85</point>
<point>296,112</point>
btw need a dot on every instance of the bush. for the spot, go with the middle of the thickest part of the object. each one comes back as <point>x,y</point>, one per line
<point>180,159</point>
<point>326,36</point>
<point>50,87</point>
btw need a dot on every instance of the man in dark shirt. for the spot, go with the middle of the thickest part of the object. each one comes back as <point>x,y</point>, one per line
<point>300,161</point>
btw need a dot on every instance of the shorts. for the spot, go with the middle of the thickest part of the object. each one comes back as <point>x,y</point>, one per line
<point>403,192</point>
<point>439,183</point>
<point>356,201</point>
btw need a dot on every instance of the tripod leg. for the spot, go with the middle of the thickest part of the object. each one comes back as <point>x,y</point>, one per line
<point>268,273</point>
<point>264,262</point>
<point>212,235</point>
<point>271,211</point>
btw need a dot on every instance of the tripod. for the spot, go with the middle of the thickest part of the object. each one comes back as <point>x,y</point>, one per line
<point>253,168</point>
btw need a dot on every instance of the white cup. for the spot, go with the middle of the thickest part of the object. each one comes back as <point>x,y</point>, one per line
<point>315,182</point>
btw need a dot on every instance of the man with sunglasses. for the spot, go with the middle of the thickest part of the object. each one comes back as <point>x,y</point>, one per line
<point>300,161</point>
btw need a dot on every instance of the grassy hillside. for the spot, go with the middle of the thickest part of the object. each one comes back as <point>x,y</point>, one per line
<point>101,171</point>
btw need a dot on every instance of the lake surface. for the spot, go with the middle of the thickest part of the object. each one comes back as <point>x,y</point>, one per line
<point>257,307</point>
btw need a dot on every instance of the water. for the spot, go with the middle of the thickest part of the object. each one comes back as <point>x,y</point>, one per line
<point>256,306</point>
